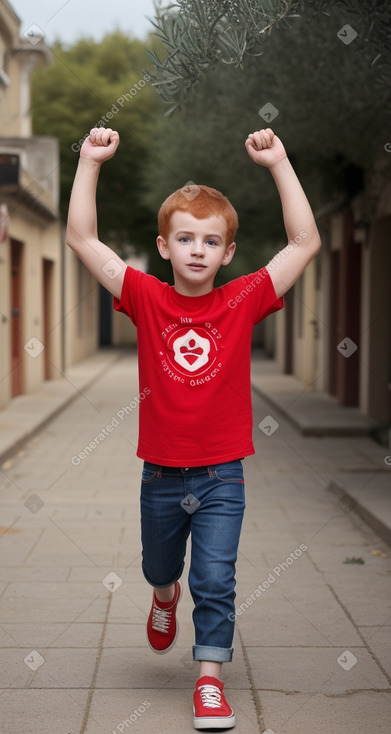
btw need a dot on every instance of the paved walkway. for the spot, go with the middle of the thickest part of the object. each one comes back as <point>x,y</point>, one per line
<point>312,642</point>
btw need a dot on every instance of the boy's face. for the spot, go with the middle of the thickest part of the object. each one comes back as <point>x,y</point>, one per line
<point>196,248</point>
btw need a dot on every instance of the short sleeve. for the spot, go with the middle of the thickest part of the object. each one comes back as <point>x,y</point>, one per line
<point>257,292</point>
<point>130,294</point>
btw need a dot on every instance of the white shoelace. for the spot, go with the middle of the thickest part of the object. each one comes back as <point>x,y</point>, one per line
<point>161,619</point>
<point>210,696</point>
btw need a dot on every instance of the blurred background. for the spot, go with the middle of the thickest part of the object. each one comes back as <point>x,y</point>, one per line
<point>184,83</point>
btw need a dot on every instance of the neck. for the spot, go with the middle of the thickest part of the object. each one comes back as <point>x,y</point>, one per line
<point>193,289</point>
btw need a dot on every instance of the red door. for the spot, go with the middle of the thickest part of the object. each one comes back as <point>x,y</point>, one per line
<point>47,300</point>
<point>16,331</point>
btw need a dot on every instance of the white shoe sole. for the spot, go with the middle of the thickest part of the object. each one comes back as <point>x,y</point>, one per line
<point>213,722</point>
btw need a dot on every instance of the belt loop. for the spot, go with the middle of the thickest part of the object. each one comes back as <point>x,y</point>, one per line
<point>159,472</point>
<point>210,472</point>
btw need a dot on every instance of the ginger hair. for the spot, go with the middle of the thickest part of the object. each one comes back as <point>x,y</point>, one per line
<point>201,202</point>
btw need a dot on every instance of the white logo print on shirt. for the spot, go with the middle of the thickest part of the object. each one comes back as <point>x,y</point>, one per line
<point>191,351</point>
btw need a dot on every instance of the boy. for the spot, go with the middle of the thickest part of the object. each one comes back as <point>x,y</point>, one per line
<point>195,422</point>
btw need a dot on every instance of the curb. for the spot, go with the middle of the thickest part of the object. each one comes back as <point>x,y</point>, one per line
<point>53,412</point>
<point>350,504</point>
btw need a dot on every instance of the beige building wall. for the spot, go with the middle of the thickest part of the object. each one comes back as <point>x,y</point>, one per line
<point>124,333</point>
<point>81,318</point>
<point>18,58</point>
<point>305,348</point>
<point>39,242</point>
<point>5,323</point>
<point>29,223</point>
<point>376,346</point>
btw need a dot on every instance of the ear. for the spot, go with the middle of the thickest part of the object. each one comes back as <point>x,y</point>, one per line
<point>229,253</point>
<point>162,247</point>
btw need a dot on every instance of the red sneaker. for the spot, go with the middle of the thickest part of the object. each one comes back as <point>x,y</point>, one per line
<point>162,625</point>
<point>210,708</point>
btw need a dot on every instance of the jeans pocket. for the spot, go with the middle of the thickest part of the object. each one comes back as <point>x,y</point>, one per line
<point>148,475</point>
<point>230,472</point>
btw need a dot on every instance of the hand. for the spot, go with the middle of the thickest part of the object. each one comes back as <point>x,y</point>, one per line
<point>100,145</point>
<point>265,148</point>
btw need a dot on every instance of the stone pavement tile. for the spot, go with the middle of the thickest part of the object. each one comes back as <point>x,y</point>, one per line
<point>39,574</point>
<point>135,667</point>
<point>346,563</point>
<point>358,713</point>
<point>379,642</point>
<point>51,590</point>
<point>82,574</point>
<point>128,635</point>
<point>264,555</point>
<point>16,546</point>
<point>41,711</point>
<point>285,619</point>
<point>309,670</point>
<point>59,610</point>
<point>69,536</point>
<point>106,512</point>
<point>134,635</point>
<point>48,635</point>
<point>128,607</point>
<point>335,528</point>
<point>61,514</point>
<point>364,597</point>
<point>73,556</point>
<point>169,710</point>
<point>65,668</point>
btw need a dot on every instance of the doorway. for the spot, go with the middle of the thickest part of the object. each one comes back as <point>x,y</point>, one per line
<point>16,318</point>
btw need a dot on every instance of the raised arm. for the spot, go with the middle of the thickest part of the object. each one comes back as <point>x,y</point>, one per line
<point>286,266</point>
<point>82,229</point>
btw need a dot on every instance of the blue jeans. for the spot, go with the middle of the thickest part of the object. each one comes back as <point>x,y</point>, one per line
<point>207,501</point>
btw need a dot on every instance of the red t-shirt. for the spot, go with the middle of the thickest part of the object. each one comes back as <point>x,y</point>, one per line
<point>194,366</point>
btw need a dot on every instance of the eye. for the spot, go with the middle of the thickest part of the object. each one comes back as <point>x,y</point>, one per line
<point>184,239</point>
<point>211,242</point>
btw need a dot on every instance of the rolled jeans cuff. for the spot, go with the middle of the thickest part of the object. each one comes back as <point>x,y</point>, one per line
<point>215,654</point>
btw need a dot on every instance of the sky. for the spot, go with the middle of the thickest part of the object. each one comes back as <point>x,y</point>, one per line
<point>69,20</point>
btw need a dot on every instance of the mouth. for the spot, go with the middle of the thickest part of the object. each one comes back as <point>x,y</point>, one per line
<point>196,266</point>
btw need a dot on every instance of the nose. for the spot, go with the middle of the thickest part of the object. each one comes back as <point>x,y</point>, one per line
<point>198,248</point>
